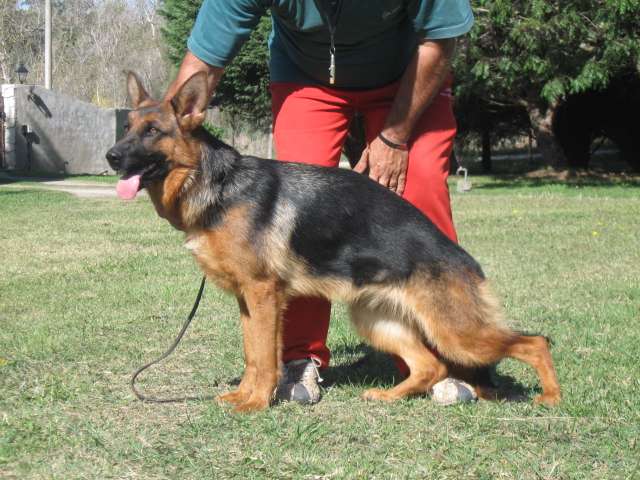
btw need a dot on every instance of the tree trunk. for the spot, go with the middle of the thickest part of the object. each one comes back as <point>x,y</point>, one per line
<point>486,151</point>
<point>548,146</point>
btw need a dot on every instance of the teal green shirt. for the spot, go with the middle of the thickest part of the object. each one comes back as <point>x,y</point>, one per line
<point>375,39</point>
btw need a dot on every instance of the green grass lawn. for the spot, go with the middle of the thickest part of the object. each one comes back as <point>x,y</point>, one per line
<point>91,289</point>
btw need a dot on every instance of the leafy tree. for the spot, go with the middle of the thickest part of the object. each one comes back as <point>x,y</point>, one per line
<point>535,53</point>
<point>597,114</point>
<point>243,92</point>
<point>93,41</point>
<point>485,123</point>
<point>20,38</point>
<point>179,15</point>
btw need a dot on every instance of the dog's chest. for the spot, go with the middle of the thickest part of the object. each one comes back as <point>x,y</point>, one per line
<point>224,256</point>
<point>210,258</point>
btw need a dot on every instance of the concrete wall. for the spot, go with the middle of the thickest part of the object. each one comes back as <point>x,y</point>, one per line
<point>55,133</point>
<point>247,140</point>
<point>251,142</point>
<point>51,133</point>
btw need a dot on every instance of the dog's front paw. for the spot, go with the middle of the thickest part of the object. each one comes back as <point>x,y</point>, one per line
<point>234,397</point>
<point>377,394</point>
<point>547,399</point>
<point>251,405</point>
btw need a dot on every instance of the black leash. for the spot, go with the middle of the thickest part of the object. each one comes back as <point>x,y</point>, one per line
<point>146,398</point>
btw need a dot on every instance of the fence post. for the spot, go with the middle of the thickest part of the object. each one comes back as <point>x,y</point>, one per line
<point>8,127</point>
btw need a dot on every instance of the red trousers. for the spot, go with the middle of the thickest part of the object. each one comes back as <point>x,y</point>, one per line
<point>310,124</point>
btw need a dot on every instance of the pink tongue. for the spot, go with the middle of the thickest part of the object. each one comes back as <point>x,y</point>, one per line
<point>127,189</point>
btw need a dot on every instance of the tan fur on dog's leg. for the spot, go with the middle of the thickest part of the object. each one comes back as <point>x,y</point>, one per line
<point>399,338</point>
<point>534,351</point>
<point>247,384</point>
<point>264,302</point>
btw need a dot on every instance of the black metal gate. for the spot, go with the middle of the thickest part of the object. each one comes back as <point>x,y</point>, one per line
<point>2,118</point>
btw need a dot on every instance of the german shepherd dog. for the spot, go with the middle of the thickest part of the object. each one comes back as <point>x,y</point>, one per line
<point>267,231</point>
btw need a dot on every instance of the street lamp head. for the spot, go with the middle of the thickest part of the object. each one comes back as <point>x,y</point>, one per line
<point>22,72</point>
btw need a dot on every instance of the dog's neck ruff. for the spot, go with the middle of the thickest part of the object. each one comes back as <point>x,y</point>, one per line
<point>203,187</point>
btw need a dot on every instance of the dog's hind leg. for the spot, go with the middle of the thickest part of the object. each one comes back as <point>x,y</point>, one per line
<point>396,336</point>
<point>534,350</point>
<point>463,320</point>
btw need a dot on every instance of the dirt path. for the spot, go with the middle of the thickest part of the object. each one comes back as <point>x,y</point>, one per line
<point>75,187</point>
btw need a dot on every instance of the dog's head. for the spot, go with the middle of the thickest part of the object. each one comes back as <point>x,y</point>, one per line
<point>156,140</point>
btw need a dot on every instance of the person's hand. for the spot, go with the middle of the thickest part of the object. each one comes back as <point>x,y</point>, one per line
<point>387,165</point>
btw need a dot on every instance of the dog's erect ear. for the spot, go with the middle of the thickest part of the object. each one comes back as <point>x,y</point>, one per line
<point>190,103</point>
<point>137,93</point>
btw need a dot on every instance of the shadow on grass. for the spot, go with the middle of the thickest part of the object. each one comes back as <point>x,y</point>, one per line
<point>7,179</point>
<point>562,179</point>
<point>25,176</point>
<point>378,369</point>
<point>371,367</point>
<point>15,192</point>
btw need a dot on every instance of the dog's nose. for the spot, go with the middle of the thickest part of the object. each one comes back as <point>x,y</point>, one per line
<point>114,157</point>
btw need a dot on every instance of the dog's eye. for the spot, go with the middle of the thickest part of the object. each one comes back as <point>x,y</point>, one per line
<point>152,131</point>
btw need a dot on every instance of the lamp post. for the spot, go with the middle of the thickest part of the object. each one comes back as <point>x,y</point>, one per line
<point>47,44</point>
<point>22,73</point>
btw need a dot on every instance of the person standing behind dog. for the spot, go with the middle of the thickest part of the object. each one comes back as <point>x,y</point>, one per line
<point>390,61</point>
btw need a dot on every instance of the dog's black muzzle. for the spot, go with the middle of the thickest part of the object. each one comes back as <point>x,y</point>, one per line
<point>114,158</point>
<point>123,155</point>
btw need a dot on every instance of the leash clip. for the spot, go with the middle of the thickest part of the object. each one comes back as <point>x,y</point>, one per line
<point>316,365</point>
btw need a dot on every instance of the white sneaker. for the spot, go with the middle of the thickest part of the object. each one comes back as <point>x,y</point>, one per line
<point>299,382</point>
<point>451,391</point>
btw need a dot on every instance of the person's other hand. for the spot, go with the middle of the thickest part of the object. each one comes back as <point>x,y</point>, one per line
<point>387,165</point>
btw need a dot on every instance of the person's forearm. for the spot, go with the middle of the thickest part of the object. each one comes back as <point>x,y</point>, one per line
<point>190,66</point>
<point>421,82</point>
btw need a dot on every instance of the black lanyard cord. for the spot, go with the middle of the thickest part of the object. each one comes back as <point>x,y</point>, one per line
<point>331,20</point>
